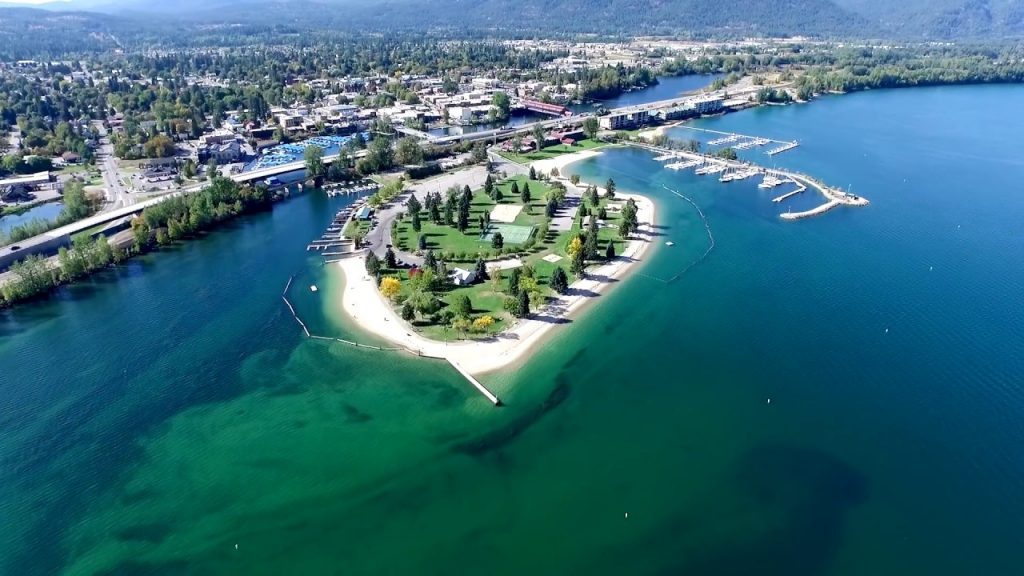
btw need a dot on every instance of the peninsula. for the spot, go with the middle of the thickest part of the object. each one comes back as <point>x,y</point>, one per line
<point>508,298</point>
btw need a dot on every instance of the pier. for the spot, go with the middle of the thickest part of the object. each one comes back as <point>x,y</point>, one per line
<point>476,383</point>
<point>789,195</point>
<point>812,212</point>
<point>714,165</point>
<point>783,148</point>
<point>333,244</point>
<point>747,141</point>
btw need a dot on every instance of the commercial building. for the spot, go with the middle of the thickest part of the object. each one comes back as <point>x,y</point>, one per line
<point>625,120</point>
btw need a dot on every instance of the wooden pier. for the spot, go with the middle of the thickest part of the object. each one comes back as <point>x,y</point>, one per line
<point>476,383</point>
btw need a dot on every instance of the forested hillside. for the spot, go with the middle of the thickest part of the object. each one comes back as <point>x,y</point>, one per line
<point>137,23</point>
<point>943,19</point>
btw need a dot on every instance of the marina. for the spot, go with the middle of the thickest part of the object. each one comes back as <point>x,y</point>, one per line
<point>783,148</point>
<point>734,170</point>
<point>744,141</point>
<point>683,165</point>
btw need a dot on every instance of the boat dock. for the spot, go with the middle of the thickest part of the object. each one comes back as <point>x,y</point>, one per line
<point>783,148</point>
<point>728,139</point>
<point>788,195</point>
<point>737,170</point>
<point>745,142</point>
<point>364,187</point>
<point>333,244</point>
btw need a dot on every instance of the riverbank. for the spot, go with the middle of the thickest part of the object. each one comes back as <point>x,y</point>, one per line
<point>363,303</point>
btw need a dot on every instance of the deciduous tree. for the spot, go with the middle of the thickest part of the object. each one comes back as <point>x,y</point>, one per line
<point>390,287</point>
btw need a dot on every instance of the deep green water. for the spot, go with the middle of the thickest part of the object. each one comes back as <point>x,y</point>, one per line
<point>152,419</point>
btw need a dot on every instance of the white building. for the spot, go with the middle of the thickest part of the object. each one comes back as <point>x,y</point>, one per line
<point>463,277</point>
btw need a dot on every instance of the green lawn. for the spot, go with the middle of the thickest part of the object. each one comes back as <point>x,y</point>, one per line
<point>552,151</point>
<point>558,244</point>
<point>485,296</point>
<point>486,302</point>
<point>448,240</point>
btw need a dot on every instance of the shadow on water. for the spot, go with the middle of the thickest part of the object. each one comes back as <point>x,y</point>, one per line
<point>783,512</point>
<point>143,569</point>
<point>496,439</point>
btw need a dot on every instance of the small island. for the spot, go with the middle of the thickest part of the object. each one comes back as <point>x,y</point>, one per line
<point>478,274</point>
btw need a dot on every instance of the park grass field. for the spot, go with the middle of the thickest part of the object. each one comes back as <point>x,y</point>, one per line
<point>469,245</point>
<point>552,151</point>
<point>461,249</point>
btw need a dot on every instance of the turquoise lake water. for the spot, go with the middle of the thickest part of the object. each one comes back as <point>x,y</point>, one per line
<point>169,418</point>
<point>48,211</point>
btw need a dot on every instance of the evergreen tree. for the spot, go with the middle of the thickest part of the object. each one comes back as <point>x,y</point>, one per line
<point>481,270</point>
<point>435,208</point>
<point>498,241</point>
<point>609,189</point>
<point>513,281</point>
<point>408,313</point>
<point>488,185</point>
<point>416,226</point>
<point>414,205</point>
<point>449,214</point>
<point>609,252</point>
<point>533,173</point>
<point>429,260</point>
<point>522,309</point>
<point>590,246</point>
<point>559,280</point>
<point>372,264</point>
<point>525,195</point>
<point>422,242</point>
<point>463,306</point>
<point>389,259</point>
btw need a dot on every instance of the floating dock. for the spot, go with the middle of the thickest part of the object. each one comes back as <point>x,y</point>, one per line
<point>740,170</point>
<point>789,195</point>
<point>783,148</point>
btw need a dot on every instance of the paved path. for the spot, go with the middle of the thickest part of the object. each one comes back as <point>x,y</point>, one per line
<point>380,236</point>
<point>566,214</point>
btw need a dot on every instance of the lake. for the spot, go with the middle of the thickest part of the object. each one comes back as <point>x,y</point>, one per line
<point>834,396</point>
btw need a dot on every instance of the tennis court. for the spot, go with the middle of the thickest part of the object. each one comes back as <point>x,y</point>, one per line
<point>510,233</point>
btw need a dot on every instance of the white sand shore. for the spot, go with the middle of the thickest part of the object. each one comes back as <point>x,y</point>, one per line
<point>560,162</point>
<point>363,302</point>
<point>648,134</point>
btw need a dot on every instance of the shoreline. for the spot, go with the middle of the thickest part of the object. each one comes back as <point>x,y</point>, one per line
<point>362,302</point>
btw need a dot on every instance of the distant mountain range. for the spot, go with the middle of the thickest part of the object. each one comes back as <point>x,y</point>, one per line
<point>919,19</point>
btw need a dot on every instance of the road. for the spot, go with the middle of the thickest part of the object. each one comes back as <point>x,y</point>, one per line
<point>117,195</point>
<point>380,236</point>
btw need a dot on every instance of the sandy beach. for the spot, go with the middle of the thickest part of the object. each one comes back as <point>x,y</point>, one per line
<point>363,302</point>
<point>560,162</point>
<point>648,134</point>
